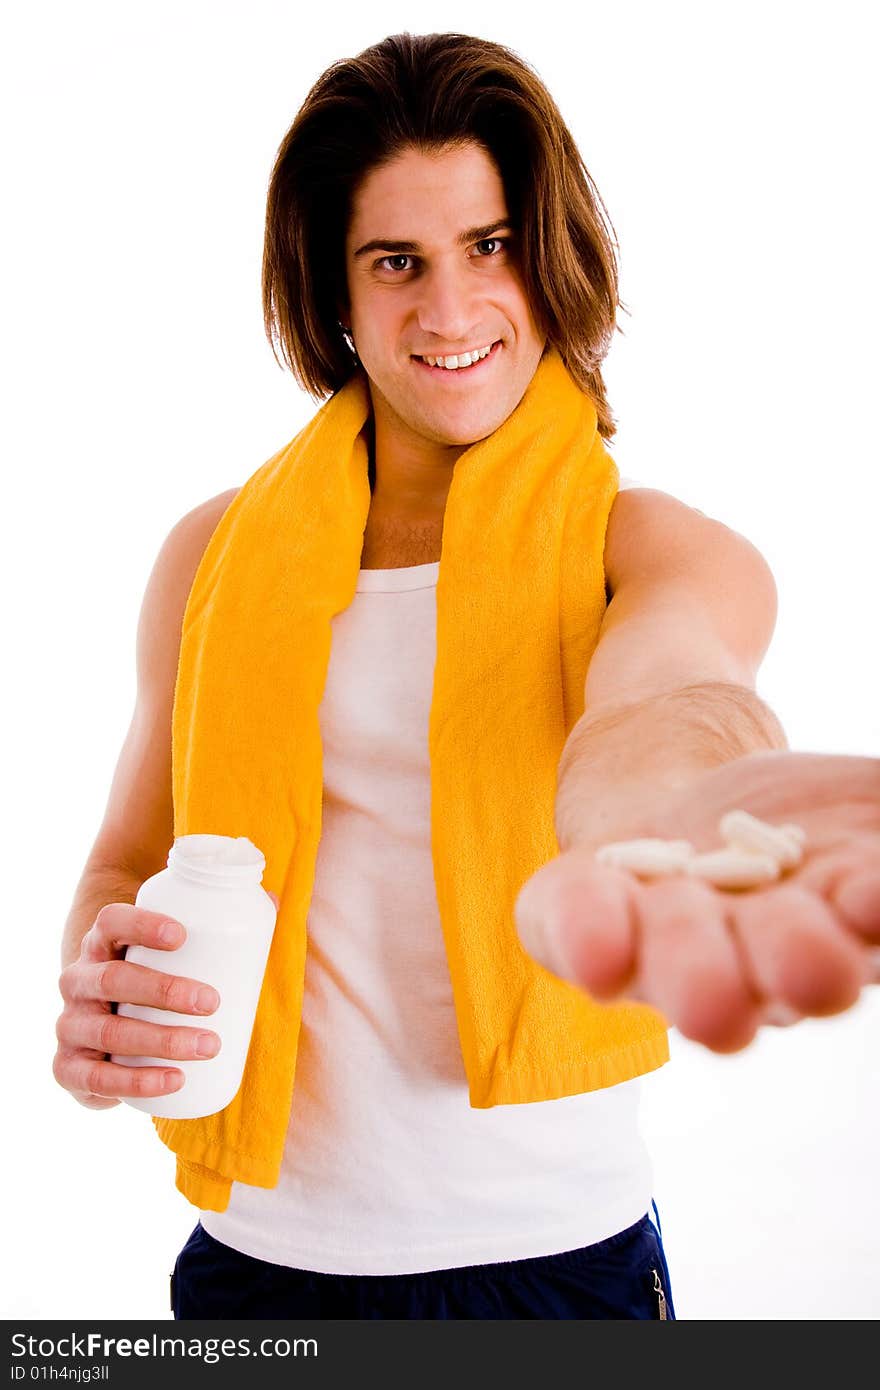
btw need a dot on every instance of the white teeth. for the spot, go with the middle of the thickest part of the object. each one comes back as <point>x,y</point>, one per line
<point>465,359</point>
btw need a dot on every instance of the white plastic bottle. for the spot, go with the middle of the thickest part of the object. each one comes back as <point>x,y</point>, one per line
<point>212,885</point>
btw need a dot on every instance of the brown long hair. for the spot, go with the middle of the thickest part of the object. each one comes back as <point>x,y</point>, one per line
<point>430,92</point>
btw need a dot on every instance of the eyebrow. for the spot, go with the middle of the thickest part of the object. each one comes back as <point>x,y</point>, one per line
<point>412,248</point>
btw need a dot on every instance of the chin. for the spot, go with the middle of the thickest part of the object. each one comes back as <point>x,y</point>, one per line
<point>471,426</point>
<point>464,435</point>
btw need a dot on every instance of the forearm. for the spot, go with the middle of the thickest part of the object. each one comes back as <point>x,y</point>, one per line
<point>616,764</point>
<point>99,885</point>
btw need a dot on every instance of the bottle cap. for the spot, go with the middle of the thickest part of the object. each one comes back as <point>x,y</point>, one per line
<point>217,859</point>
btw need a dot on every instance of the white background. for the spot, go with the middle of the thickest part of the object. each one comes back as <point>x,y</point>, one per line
<point>735,149</point>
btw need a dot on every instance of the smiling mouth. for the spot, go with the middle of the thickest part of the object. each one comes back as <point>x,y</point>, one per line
<point>476,366</point>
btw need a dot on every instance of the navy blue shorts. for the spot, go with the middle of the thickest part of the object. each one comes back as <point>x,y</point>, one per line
<point>624,1276</point>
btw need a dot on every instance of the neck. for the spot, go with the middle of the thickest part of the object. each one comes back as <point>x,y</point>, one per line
<point>410,476</point>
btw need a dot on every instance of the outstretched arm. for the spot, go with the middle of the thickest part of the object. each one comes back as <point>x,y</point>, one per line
<point>673,736</point>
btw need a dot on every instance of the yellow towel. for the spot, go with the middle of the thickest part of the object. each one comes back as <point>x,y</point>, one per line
<point>520,597</point>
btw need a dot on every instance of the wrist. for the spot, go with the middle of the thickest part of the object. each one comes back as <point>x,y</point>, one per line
<point>622,767</point>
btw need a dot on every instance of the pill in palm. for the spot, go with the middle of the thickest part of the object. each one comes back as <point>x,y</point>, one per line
<point>649,858</point>
<point>734,868</point>
<point>797,831</point>
<point>744,831</point>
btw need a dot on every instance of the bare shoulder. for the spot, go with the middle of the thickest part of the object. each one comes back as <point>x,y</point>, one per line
<point>190,535</point>
<point>137,830</point>
<point>167,591</point>
<point>174,571</point>
<point>653,536</point>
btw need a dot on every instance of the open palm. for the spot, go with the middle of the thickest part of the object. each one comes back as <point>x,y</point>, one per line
<point>718,963</point>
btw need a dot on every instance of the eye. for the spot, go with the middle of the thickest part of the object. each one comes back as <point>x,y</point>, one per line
<point>499,242</point>
<point>385,260</point>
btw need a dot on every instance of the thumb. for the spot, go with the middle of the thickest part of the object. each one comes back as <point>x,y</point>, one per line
<point>574,917</point>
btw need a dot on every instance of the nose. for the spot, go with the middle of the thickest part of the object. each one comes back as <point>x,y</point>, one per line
<point>449,306</point>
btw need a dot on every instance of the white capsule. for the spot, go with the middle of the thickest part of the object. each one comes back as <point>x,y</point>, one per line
<point>647,858</point>
<point>734,868</point>
<point>743,831</point>
<point>797,831</point>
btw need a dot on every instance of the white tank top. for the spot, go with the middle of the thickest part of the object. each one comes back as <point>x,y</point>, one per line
<point>387,1169</point>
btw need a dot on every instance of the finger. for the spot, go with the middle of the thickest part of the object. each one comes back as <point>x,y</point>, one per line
<point>107,1032</point>
<point>779,1015</point>
<point>97,1077</point>
<point>848,878</point>
<point>797,953</point>
<point>121,981</point>
<point>575,917</point>
<point>94,1102</point>
<point>689,965</point>
<point>118,925</point>
<point>856,898</point>
<point>59,1068</point>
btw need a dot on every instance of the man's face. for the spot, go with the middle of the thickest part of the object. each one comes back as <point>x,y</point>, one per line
<point>432,271</point>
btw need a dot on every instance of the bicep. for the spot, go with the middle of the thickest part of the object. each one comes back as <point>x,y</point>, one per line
<point>655,642</point>
<point>691,601</point>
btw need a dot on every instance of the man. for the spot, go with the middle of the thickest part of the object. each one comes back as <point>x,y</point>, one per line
<point>430,229</point>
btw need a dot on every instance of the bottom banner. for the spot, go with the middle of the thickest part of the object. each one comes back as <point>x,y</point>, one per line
<point>317,1352</point>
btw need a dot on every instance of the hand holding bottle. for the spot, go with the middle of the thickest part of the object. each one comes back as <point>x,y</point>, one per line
<point>113,1005</point>
<point>213,885</point>
<point>89,1028</point>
